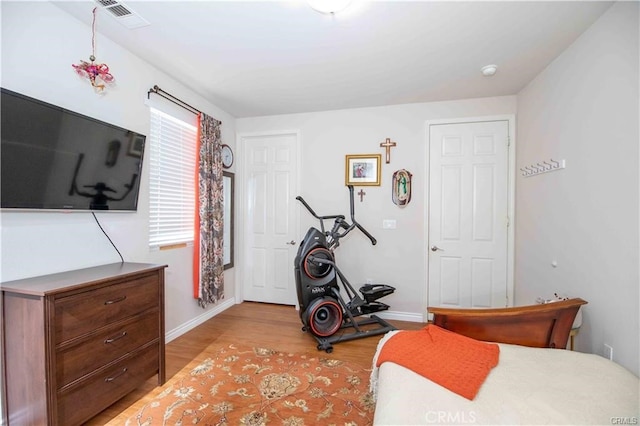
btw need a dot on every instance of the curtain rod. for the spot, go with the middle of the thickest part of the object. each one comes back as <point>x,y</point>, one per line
<point>158,91</point>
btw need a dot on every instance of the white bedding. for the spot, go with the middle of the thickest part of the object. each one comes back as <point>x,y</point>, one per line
<point>528,386</point>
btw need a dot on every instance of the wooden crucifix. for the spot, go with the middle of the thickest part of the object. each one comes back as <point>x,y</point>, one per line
<point>387,144</point>
<point>361,194</point>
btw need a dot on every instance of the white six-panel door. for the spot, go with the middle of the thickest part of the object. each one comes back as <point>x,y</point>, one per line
<point>468,214</point>
<point>270,234</point>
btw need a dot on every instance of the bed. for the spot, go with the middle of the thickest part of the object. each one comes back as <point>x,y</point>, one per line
<point>533,381</point>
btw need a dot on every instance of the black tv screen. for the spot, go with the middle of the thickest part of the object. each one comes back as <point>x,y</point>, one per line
<point>56,159</point>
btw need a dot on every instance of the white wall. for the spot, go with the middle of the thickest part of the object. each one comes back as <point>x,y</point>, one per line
<point>584,108</point>
<point>399,258</point>
<point>39,44</point>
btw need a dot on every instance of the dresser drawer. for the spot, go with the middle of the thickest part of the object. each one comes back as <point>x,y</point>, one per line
<point>83,400</point>
<point>83,312</point>
<point>106,346</point>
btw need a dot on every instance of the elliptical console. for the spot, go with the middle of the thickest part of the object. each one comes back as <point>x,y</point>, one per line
<point>323,310</point>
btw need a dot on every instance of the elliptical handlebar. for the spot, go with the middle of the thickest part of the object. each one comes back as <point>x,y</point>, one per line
<point>353,219</point>
<point>320,218</point>
<point>340,222</point>
<point>304,203</point>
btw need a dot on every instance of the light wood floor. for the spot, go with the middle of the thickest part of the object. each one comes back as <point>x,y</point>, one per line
<point>261,324</point>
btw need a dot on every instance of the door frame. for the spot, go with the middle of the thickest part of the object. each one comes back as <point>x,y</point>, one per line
<point>511,186</point>
<point>241,179</point>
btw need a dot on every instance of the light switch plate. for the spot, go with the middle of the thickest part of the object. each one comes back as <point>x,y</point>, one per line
<point>389,224</point>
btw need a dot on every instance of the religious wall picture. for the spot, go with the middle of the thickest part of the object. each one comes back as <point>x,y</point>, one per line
<point>363,169</point>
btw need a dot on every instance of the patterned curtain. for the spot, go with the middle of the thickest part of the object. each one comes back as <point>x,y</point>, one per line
<point>208,255</point>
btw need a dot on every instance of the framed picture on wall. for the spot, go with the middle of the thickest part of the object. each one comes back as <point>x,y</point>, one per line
<point>363,169</point>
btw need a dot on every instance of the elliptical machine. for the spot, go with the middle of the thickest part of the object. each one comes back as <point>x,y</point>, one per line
<point>323,311</point>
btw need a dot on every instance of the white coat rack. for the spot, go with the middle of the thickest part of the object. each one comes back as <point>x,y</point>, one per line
<point>544,167</point>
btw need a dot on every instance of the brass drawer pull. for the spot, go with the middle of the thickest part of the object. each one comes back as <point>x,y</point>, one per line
<point>113,339</point>
<point>111,379</point>
<point>116,300</point>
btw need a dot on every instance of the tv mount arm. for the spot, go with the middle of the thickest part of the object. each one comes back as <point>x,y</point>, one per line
<point>339,223</point>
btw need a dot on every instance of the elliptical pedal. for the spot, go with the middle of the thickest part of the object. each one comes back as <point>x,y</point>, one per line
<point>373,307</point>
<point>373,292</point>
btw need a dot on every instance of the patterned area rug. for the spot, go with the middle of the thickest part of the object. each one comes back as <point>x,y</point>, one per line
<point>241,385</point>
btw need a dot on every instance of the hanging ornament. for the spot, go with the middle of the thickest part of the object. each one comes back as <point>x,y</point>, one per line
<point>94,72</point>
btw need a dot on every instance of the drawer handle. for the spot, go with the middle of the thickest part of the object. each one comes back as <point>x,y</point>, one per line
<point>112,378</point>
<point>116,300</point>
<point>113,339</point>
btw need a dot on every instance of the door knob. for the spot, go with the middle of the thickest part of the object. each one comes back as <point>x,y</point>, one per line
<point>436,248</point>
<point>291,243</point>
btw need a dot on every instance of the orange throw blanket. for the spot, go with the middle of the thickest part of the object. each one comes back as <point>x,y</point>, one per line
<point>456,362</point>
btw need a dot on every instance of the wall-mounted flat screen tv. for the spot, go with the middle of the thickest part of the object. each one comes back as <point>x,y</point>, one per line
<point>56,159</point>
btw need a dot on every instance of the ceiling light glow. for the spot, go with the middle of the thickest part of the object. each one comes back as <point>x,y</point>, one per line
<point>328,6</point>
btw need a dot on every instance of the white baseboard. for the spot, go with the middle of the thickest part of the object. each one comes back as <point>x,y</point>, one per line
<point>400,316</point>
<point>189,325</point>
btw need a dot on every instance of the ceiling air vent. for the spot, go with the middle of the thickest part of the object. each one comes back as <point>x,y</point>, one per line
<point>123,14</point>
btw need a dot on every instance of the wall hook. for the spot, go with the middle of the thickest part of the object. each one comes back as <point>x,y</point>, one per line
<point>537,168</point>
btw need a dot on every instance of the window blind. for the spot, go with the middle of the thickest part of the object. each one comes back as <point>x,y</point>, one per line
<point>172,182</point>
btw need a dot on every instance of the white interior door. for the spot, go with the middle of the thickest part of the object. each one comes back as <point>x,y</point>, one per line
<point>468,214</point>
<point>270,229</point>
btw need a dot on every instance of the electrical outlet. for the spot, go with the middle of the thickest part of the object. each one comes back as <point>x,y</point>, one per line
<point>368,281</point>
<point>608,352</point>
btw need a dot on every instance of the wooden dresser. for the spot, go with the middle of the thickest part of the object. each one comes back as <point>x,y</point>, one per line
<point>75,342</point>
